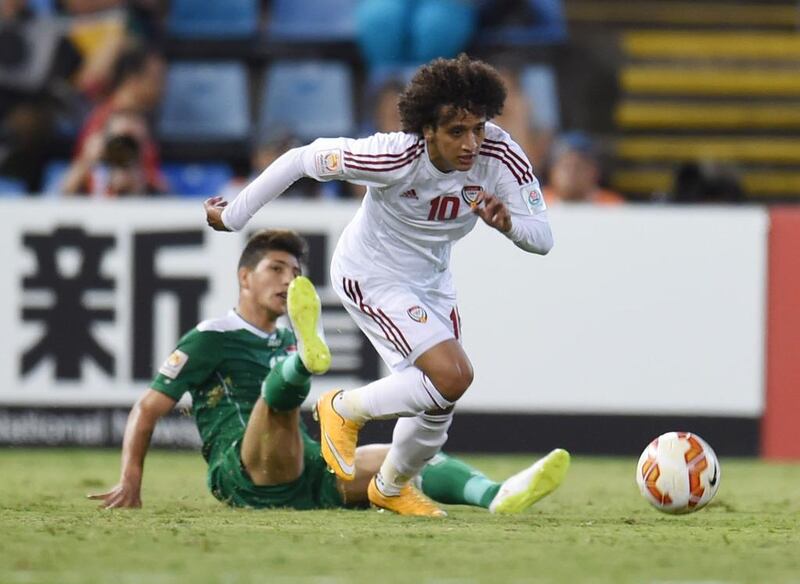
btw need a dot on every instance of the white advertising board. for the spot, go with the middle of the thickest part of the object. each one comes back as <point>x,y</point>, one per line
<point>636,310</point>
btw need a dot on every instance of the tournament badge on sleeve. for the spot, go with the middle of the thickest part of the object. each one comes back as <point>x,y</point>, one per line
<point>328,162</point>
<point>470,194</point>
<point>532,195</point>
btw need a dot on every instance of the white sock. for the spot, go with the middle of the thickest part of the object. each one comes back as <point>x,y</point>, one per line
<point>405,393</point>
<point>414,443</point>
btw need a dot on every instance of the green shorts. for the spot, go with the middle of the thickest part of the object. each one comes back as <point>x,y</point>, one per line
<point>314,489</point>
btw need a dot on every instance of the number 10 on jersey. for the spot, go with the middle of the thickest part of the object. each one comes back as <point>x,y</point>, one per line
<point>444,208</point>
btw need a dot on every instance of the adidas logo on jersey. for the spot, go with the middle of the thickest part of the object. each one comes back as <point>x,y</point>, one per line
<point>409,194</point>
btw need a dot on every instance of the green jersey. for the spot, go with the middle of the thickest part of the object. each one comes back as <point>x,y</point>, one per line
<point>222,363</point>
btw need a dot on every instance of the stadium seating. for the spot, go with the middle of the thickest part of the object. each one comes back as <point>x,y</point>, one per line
<point>201,19</point>
<point>546,26</point>
<point>11,187</point>
<point>54,174</point>
<point>197,179</point>
<point>539,85</point>
<point>205,101</point>
<point>312,21</point>
<point>311,99</point>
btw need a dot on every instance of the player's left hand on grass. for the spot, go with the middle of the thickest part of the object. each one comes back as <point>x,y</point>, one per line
<point>493,211</point>
<point>214,207</point>
<point>120,496</point>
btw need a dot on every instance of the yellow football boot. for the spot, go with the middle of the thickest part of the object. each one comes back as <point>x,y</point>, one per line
<point>409,502</point>
<point>338,437</point>
<point>304,309</point>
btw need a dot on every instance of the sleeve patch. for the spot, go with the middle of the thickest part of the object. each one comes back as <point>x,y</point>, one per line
<point>174,363</point>
<point>532,195</point>
<point>328,162</point>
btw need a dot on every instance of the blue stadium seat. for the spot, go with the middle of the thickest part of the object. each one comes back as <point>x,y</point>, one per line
<point>213,19</point>
<point>382,74</point>
<point>41,7</point>
<point>12,187</point>
<point>312,20</point>
<point>205,101</point>
<point>311,99</point>
<point>541,91</point>
<point>546,26</point>
<point>54,174</point>
<point>197,179</point>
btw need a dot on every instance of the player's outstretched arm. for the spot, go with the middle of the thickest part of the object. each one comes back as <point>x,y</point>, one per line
<point>214,207</point>
<point>141,422</point>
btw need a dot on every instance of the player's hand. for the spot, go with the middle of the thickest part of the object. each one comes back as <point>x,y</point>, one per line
<point>493,211</point>
<point>123,495</point>
<point>214,207</point>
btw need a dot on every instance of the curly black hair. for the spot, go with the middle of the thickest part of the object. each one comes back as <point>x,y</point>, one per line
<point>450,84</point>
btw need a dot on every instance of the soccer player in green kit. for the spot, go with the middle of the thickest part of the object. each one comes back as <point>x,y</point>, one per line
<point>248,377</point>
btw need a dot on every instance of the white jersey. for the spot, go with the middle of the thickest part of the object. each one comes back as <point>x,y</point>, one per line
<point>412,212</point>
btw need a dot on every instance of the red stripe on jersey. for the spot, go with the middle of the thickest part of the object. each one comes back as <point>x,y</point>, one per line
<point>523,171</point>
<point>385,155</point>
<point>504,161</point>
<point>347,291</point>
<point>525,163</point>
<point>399,332</point>
<point>366,309</point>
<point>377,166</point>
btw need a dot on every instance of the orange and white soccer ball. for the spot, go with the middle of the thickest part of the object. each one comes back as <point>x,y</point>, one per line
<point>678,472</point>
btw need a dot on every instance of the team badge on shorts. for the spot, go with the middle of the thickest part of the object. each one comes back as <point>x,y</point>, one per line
<point>470,194</point>
<point>418,314</point>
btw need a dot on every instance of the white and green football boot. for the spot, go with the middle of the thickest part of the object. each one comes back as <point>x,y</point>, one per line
<point>532,484</point>
<point>305,311</point>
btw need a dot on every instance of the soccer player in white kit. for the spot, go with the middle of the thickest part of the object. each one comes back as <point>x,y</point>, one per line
<point>426,188</point>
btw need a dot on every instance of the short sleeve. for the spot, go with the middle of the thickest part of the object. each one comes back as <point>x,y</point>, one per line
<point>194,359</point>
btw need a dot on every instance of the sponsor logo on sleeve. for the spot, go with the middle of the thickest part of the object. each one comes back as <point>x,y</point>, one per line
<point>532,195</point>
<point>329,162</point>
<point>470,194</point>
<point>174,363</point>
<point>418,314</point>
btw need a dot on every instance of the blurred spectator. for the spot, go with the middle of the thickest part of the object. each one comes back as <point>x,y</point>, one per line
<point>267,149</point>
<point>36,63</point>
<point>136,86</point>
<point>706,183</point>
<point>386,115</point>
<point>518,120</point>
<point>101,29</point>
<point>397,32</point>
<point>112,161</point>
<point>575,173</point>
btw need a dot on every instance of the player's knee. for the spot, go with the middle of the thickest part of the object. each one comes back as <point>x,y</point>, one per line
<point>454,381</point>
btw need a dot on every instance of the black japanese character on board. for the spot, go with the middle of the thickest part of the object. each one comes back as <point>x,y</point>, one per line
<point>67,336</point>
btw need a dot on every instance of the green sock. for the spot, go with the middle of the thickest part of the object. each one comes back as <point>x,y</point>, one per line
<point>287,385</point>
<point>448,480</point>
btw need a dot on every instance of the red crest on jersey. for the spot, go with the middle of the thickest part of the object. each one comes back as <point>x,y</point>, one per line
<point>470,193</point>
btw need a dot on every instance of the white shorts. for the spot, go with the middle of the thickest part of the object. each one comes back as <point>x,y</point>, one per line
<point>401,323</point>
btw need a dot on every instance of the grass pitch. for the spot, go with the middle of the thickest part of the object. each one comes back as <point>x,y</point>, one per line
<point>595,529</point>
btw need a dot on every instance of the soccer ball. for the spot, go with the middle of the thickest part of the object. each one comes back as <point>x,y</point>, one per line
<point>678,472</point>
